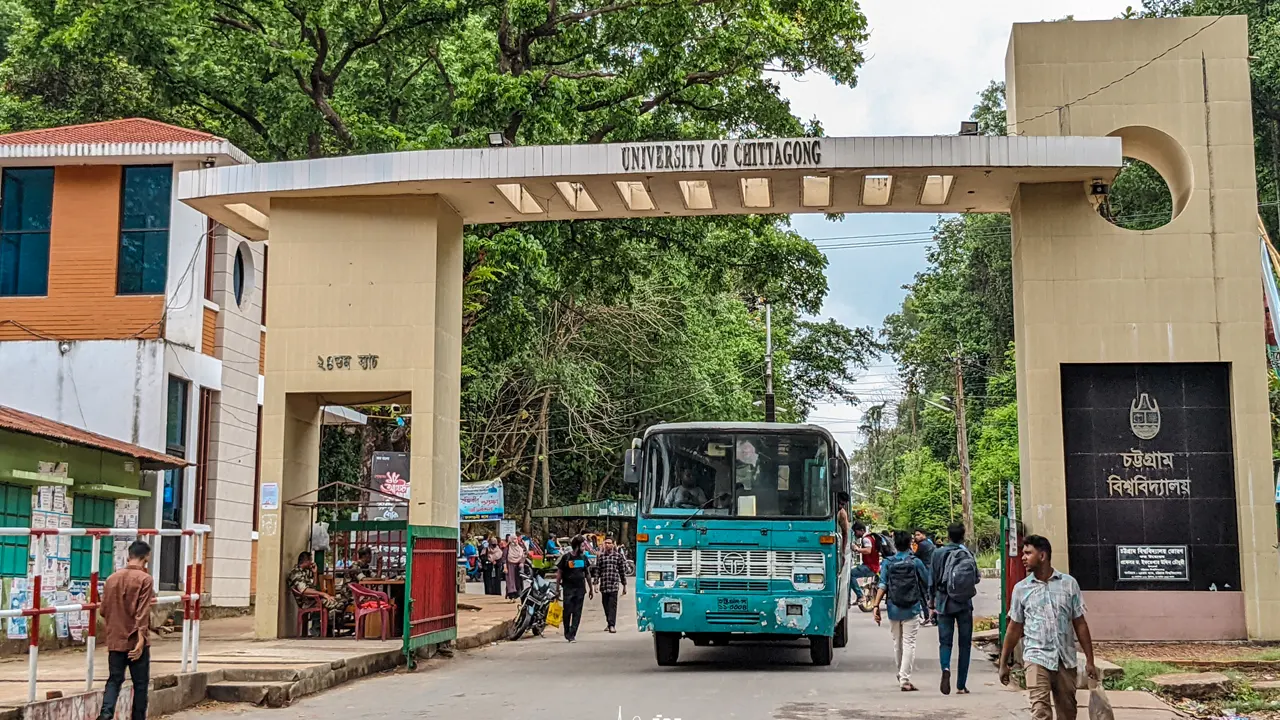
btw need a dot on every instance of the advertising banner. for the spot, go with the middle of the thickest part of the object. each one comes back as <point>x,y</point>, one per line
<point>481,501</point>
<point>389,476</point>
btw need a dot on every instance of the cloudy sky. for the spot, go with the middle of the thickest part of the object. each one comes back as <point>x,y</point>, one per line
<point>927,60</point>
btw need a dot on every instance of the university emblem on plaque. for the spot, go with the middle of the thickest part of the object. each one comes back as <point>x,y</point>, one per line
<point>1144,417</point>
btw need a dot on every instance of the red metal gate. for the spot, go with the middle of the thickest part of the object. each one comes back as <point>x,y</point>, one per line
<point>432,604</point>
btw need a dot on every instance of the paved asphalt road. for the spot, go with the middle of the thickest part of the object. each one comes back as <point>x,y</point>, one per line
<point>605,677</point>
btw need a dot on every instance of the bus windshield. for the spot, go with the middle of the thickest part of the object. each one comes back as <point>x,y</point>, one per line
<point>784,475</point>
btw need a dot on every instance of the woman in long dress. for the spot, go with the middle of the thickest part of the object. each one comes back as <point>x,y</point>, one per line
<point>515,561</point>
<point>493,567</point>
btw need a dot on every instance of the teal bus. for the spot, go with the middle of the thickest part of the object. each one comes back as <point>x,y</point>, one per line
<point>736,536</point>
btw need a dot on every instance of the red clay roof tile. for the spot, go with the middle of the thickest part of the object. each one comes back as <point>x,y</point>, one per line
<point>18,421</point>
<point>129,130</point>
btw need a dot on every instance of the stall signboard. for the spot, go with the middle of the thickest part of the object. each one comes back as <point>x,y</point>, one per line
<point>1152,563</point>
<point>481,500</point>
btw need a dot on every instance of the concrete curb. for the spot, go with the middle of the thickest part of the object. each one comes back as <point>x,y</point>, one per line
<point>484,637</point>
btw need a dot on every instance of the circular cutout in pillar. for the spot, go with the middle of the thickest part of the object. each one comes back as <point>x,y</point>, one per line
<point>242,274</point>
<point>1154,185</point>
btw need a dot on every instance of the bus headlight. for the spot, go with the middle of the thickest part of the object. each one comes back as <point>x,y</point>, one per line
<point>659,577</point>
<point>808,578</point>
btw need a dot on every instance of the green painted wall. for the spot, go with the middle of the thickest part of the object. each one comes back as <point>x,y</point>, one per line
<point>85,466</point>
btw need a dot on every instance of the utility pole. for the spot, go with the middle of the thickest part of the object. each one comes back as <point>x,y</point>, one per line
<point>962,449</point>
<point>770,414</point>
<point>911,398</point>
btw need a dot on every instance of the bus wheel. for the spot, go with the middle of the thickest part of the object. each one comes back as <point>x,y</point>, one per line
<point>666,648</point>
<point>820,650</point>
<point>700,640</point>
<point>842,634</point>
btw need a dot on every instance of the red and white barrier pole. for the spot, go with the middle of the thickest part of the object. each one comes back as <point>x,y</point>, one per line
<point>198,540</point>
<point>190,597</point>
<point>186,604</point>
<point>33,629</point>
<point>91,632</point>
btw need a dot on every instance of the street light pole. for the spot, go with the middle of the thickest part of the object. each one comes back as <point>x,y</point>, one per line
<point>770,411</point>
<point>962,449</point>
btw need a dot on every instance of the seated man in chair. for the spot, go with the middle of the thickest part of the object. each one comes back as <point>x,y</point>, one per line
<point>302,583</point>
<point>359,572</point>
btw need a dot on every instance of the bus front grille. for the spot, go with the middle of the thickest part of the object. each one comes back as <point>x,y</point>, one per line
<point>732,618</point>
<point>733,585</point>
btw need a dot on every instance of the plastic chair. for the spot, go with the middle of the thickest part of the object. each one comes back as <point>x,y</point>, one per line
<point>361,595</point>
<point>303,612</point>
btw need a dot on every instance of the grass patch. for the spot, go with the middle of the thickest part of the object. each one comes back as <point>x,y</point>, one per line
<point>981,624</point>
<point>1138,674</point>
<point>989,558</point>
<point>1271,655</point>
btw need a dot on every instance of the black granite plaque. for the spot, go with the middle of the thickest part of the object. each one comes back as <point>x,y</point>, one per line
<point>1149,462</point>
<point>1156,563</point>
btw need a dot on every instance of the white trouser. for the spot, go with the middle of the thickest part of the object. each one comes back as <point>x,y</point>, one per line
<point>904,646</point>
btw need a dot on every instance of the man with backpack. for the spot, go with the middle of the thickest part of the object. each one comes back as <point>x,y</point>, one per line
<point>904,581</point>
<point>955,583</point>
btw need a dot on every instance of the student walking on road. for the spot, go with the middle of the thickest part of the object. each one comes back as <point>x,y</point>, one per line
<point>904,582</point>
<point>126,610</point>
<point>924,549</point>
<point>571,574</point>
<point>610,571</point>
<point>954,582</point>
<point>1046,612</point>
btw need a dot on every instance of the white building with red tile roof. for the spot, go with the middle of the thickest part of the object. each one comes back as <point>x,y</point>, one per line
<point>132,316</point>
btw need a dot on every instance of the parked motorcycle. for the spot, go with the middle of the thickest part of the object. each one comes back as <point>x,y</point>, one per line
<point>531,607</point>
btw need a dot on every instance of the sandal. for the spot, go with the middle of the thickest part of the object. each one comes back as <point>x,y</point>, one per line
<point>908,687</point>
<point>962,691</point>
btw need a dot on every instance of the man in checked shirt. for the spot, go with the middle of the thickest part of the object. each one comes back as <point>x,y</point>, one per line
<point>610,577</point>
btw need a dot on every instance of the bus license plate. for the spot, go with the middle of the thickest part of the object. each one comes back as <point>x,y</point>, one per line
<point>728,604</point>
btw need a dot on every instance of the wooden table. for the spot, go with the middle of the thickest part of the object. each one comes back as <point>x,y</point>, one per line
<point>382,581</point>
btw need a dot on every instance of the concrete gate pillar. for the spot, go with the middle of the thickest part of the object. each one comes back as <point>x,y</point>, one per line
<point>366,306</point>
<point>1103,313</point>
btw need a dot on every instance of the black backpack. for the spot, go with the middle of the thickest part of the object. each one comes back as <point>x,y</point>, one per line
<point>904,584</point>
<point>960,575</point>
<point>885,545</point>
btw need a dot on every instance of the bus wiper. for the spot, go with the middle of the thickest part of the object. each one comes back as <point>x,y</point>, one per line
<point>704,506</point>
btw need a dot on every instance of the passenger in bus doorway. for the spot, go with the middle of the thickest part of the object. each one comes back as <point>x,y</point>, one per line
<point>572,575</point>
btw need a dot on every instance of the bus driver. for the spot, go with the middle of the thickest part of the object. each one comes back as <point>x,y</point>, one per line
<point>686,494</point>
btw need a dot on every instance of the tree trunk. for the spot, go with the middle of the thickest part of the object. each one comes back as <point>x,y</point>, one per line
<point>540,453</point>
<point>370,437</point>
<point>545,456</point>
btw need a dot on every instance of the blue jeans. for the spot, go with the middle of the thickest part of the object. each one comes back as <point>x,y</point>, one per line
<point>947,625</point>
<point>859,571</point>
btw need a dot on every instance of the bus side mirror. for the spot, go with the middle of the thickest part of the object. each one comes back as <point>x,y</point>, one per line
<point>631,467</point>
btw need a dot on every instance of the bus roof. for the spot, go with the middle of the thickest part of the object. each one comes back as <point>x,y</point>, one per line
<point>733,427</point>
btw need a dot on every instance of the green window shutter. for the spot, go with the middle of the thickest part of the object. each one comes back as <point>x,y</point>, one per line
<point>91,512</point>
<point>15,511</point>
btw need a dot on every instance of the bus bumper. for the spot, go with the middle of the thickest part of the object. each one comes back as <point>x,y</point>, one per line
<point>799,614</point>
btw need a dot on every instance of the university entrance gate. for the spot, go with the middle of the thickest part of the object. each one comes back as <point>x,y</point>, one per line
<point>1143,417</point>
